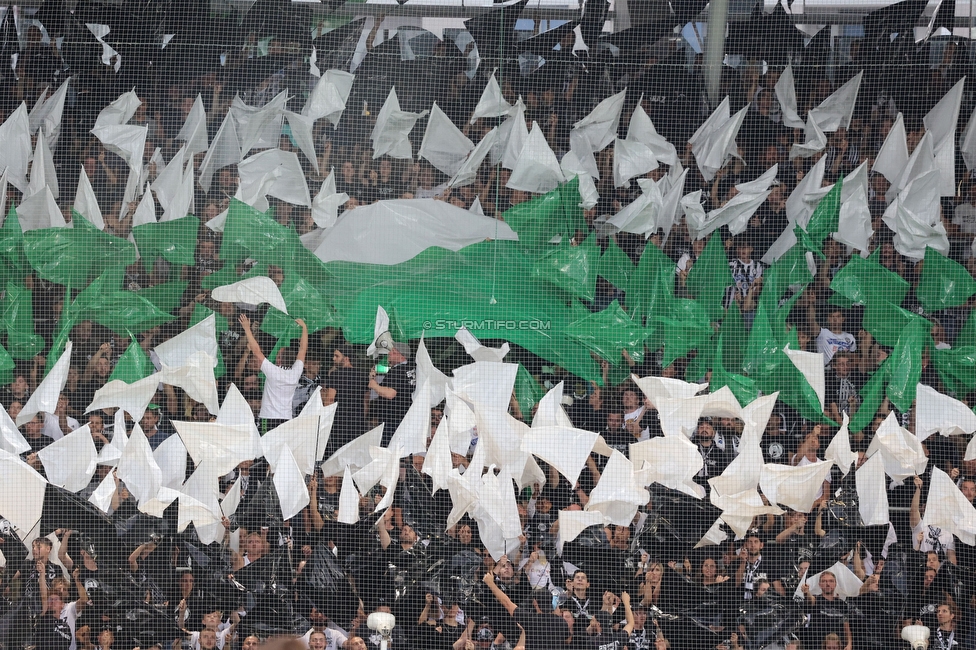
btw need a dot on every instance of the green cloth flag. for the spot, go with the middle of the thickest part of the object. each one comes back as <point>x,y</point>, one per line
<point>13,262</point>
<point>710,277</point>
<point>791,270</point>
<point>74,256</point>
<point>735,338</point>
<point>886,322</point>
<point>168,296</point>
<point>608,333</point>
<point>687,326</point>
<point>615,266</point>
<point>826,216</point>
<point>570,268</point>
<point>651,287</point>
<point>762,346</point>
<point>133,365</point>
<point>175,241</point>
<point>967,336</point>
<point>863,281</point>
<point>18,318</point>
<point>944,282</point>
<point>872,394</point>
<point>744,388</point>
<point>957,369</point>
<point>540,219</point>
<point>905,369</point>
<point>6,366</point>
<point>528,392</point>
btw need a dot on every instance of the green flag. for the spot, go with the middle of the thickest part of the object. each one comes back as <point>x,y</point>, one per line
<point>686,327</point>
<point>944,282</point>
<point>735,338</point>
<point>967,336</point>
<point>906,365</point>
<point>762,346</point>
<point>175,241</point>
<point>13,263</point>
<point>540,219</point>
<point>608,333</point>
<point>615,266</point>
<point>957,369</point>
<point>74,256</point>
<point>744,388</point>
<point>528,392</point>
<point>864,280</point>
<point>6,366</point>
<point>871,397</point>
<point>167,296</point>
<point>570,268</point>
<point>886,322</point>
<point>710,277</point>
<point>651,287</point>
<point>133,365</point>
<point>826,217</point>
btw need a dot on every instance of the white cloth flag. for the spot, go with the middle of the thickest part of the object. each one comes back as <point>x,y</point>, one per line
<point>171,456</point>
<point>125,140</point>
<point>618,494</point>
<point>672,461</point>
<point>468,170</point>
<point>86,204</point>
<point>196,378</point>
<point>259,127</point>
<point>836,111</point>
<point>566,449</point>
<point>353,454</point>
<point>252,291</point>
<point>201,337</point>
<point>938,413</point>
<point>39,211</point>
<point>947,508</point>
<point>848,584</point>
<point>290,485</point>
<point>348,500</point>
<point>16,148</point>
<point>900,450</point>
<point>794,487</point>
<point>810,365</point>
<point>21,492</point>
<point>390,232</point>
<point>70,461</point>
<point>301,132</point>
<point>855,213</point>
<point>194,131</point>
<point>599,128</point>
<point>574,522</point>
<point>444,145</point>
<point>476,350</point>
<point>641,130</point>
<point>512,134</point>
<point>537,169</point>
<point>11,439</point>
<point>299,436</point>
<point>916,217</point>
<point>800,205</point>
<point>328,98</point>
<point>642,216</point>
<point>657,387</point>
<point>43,172</point>
<point>132,398</point>
<point>491,103</point>
<point>872,491</point>
<point>272,172</point>
<point>390,135</point>
<point>120,111</point>
<point>138,469</point>
<point>45,398</point>
<point>942,123</point>
<point>713,144</point>
<point>786,94</point>
<point>223,151</point>
<point>839,449</point>
<point>893,155</point>
<point>325,205</point>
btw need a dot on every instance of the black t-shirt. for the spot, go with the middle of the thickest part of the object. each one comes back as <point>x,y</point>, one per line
<point>402,379</point>
<point>31,588</point>
<point>542,631</point>
<point>51,633</point>
<point>350,386</point>
<point>778,449</point>
<point>826,617</point>
<point>609,640</point>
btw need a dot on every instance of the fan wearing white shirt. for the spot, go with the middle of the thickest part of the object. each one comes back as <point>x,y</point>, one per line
<point>213,635</point>
<point>57,425</point>
<point>280,382</point>
<point>927,538</point>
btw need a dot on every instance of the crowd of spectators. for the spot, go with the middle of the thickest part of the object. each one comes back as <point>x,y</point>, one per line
<point>637,586</point>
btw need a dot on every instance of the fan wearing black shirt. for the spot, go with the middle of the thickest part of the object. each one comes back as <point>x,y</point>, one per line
<point>347,386</point>
<point>542,631</point>
<point>395,393</point>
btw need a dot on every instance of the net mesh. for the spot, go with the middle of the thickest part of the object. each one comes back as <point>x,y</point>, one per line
<point>531,325</point>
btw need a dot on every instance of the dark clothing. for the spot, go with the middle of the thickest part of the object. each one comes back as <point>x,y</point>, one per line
<point>52,633</point>
<point>350,386</point>
<point>403,379</point>
<point>542,631</point>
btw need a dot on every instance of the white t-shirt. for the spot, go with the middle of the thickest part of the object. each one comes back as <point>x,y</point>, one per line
<point>828,343</point>
<point>333,638</point>
<point>222,636</point>
<point>69,614</point>
<point>934,537</point>
<point>279,389</point>
<point>964,216</point>
<point>52,428</point>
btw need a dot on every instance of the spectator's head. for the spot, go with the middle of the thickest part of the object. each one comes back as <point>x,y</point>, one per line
<point>208,638</point>
<point>149,420</point>
<point>831,642</point>
<point>342,356</point>
<point>18,387</point>
<point>355,643</point>
<point>705,432</point>
<point>317,641</point>
<point>252,642</point>
<point>106,638</point>
<point>580,582</point>
<point>828,583</point>
<point>841,363</point>
<point>95,423</point>
<point>34,427</point>
<point>929,578</point>
<point>947,613</point>
<point>754,543</point>
<point>932,561</point>
<point>55,602</point>
<point>968,488</point>
<point>630,397</point>
<point>504,569</point>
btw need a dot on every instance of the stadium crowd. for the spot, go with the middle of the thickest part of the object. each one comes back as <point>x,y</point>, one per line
<point>644,585</point>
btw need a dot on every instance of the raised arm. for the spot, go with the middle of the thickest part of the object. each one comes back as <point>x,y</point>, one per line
<point>82,601</point>
<point>252,343</point>
<point>500,595</point>
<point>66,560</point>
<point>628,613</point>
<point>915,514</point>
<point>303,343</point>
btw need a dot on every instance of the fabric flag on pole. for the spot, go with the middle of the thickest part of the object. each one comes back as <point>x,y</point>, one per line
<point>85,202</point>
<point>175,241</point>
<point>492,102</point>
<point>223,151</point>
<point>942,122</point>
<point>390,134</point>
<point>938,413</point>
<point>892,158</point>
<point>710,277</point>
<point>125,140</point>
<point>944,283</point>
<point>599,128</point>
<point>15,147</point>
<point>713,144</point>
<point>45,397</point>
<point>537,170</point>
<point>328,98</point>
<point>194,131</point>
<point>836,111</point>
<point>786,94</point>
<point>444,145</point>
